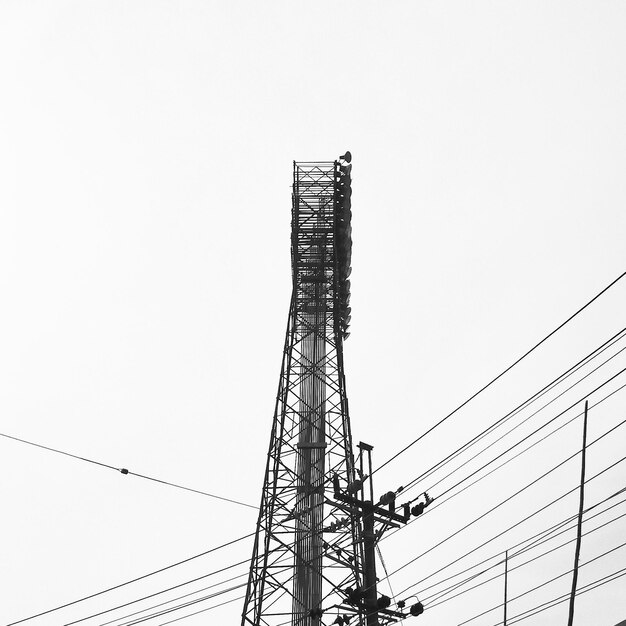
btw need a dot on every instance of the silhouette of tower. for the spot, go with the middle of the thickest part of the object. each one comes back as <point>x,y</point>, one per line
<point>307,550</point>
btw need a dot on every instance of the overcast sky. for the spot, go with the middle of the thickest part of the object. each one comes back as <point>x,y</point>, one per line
<point>146,149</point>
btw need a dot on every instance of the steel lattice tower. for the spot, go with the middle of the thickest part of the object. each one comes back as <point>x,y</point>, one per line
<point>307,548</point>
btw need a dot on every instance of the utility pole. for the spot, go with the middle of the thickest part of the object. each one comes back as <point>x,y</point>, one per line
<point>581,508</point>
<point>366,599</point>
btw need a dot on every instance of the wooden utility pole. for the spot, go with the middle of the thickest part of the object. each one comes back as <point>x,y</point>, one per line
<point>570,621</point>
<point>506,581</point>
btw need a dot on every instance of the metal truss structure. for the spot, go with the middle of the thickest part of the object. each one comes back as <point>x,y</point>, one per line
<point>308,545</point>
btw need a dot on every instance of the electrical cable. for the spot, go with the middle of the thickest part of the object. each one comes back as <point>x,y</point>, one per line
<point>499,456</point>
<point>543,584</point>
<point>441,502</point>
<point>530,484</point>
<point>501,374</point>
<point>125,471</point>
<point>540,428</point>
<point>210,608</point>
<point>526,419</point>
<point>560,599</point>
<point>158,593</point>
<point>515,525</point>
<point>439,596</point>
<point>524,545</point>
<point>186,595</point>
<point>559,379</point>
<point>184,605</point>
<point>128,582</point>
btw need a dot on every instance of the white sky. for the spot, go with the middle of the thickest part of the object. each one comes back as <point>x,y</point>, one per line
<point>145,160</point>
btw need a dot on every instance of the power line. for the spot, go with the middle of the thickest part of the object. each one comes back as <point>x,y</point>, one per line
<point>184,605</point>
<point>158,593</point>
<point>562,377</point>
<point>499,456</point>
<point>210,608</point>
<point>501,374</point>
<point>134,580</point>
<point>439,503</point>
<point>527,485</point>
<point>518,523</point>
<point>532,542</point>
<point>560,599</point>
<point>442,502</point>
<point>186,595</point>
<point>125,471</point>
<point>444,592</point>
<point>501,422</point>
<point>543,584</point>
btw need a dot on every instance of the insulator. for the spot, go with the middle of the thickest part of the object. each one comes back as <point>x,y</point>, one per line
<point>388,497</point>
<point>418,509</point>
<point>347,157</point>
<point>417,609</point>
<point>401,604</point>
<point>355,486</point>
<point>383,602</point>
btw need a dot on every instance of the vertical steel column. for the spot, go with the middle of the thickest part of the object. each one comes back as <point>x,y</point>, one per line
<point>369,547</point>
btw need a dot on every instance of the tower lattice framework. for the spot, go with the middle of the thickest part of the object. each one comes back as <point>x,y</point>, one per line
<point>307,545</point>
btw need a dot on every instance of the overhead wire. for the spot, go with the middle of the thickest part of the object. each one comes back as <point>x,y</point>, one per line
<point>543,584</point>
<point>525,545</point>
<point>501,374</point>
<point>413,482</point>
<point>560,599</point>
<point>500,534</point>
<point>534,432</point>
<point>210,608</point>
<point>186,595</point>
<point>437,500</point>
<point>126,471</point>
<point>443,596</point>
<point>133,580</point>
<point>179,607</point>
<point>158,593</point>
<point>536,396</point>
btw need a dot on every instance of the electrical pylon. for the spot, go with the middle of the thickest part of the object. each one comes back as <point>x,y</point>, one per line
<point>313,556</point>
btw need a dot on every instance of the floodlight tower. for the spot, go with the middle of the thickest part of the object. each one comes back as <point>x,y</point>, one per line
<point>310,439</point>
<point>313,555</point>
